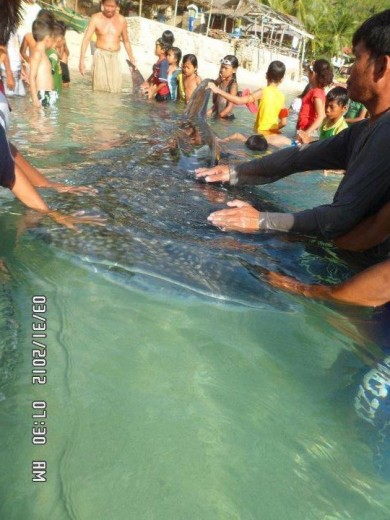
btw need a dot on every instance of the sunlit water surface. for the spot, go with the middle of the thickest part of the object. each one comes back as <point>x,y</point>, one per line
<point>180,385</point>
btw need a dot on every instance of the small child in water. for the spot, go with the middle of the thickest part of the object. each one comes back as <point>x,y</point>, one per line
<point>173,59</point>
<point>336,105</point>
<point>225,84</point>
<point>188,80</point>
<point>156,86</point>
<point>63,54</point>
<point>28,43</point>
<point>271,114</point>
<point>52,54</point>
<point>41,79</point>
<point>256,142</point>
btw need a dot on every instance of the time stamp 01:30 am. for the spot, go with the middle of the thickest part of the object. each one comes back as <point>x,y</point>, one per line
<point>39,377</point>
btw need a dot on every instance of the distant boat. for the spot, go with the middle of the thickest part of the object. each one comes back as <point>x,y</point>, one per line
<point>71,19</point>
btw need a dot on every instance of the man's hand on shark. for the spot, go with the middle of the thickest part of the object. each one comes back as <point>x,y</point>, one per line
<point>241,217</point>
<point>219,173</point>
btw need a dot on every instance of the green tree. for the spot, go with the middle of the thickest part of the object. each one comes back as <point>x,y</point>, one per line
<point>333,22</point>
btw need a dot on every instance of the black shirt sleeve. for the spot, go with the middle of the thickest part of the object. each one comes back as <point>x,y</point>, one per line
<point>330,153</point>
<point>7,165</point>
<point>362,150</point>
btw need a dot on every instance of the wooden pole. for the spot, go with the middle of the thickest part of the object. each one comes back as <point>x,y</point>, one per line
<point>174,18</point>
<point>303,55</point>
<point>281,39</point>
<point>140,8</point>
<point>209,20</point>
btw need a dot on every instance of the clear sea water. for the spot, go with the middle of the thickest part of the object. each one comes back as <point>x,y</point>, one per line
<point>180,385</point>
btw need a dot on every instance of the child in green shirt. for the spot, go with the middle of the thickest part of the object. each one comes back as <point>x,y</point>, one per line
<point>336,105</point>
<point>52,54</point>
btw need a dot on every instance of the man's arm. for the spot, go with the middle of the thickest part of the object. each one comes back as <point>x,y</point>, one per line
<point>87,37</point>
<point>126,42</point>
<point>369,288</point>
<point>38,180</point>
<point>359,194</point>
<point>329,154</point>
<point>370,232</point>
<point>28,195</point>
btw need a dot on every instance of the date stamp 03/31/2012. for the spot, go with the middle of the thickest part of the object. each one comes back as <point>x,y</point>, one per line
<point>39,377</point>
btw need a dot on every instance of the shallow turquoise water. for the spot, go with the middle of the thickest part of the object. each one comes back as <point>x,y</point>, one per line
<point>180,385</point>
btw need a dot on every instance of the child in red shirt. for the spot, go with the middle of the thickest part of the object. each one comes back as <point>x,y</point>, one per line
<point>312,111</point>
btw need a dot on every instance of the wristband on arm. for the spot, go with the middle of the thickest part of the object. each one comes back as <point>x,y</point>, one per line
<point>276,221</point>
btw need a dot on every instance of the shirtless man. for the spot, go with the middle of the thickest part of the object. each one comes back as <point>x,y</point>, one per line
<point>110,27</point>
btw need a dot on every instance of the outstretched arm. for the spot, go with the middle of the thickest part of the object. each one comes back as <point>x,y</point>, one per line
<point>38,180</point>
<point>126,43</point>
<point>357,196</point>
<point>28,195</point>
<point>236,100</point>
<point>369,288</point>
